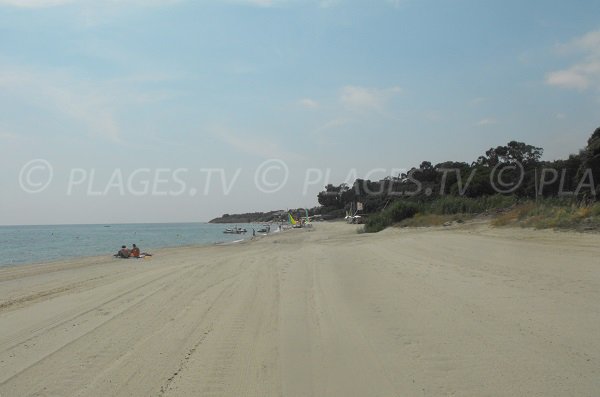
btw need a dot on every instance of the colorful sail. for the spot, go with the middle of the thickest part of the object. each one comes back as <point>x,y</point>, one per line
<point>291,218</point>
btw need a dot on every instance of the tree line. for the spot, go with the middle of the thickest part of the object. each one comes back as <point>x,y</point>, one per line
<point>514,169</point>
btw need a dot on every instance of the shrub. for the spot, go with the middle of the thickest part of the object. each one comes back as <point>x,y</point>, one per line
<point>400,210</point>
<point>376,223</point>
<point>395,213</point>
<point>450,205</point>
<point>548,213</point>
<point>427,220</point>
<point>595,209</point>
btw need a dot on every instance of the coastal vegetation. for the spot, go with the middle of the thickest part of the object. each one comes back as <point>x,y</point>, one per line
<point>510,182</point>
<point>275,216</point>
<point>250,217</point>
<point>552,214</point>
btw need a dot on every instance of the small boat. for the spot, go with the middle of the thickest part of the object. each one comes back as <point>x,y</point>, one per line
<point>264,229</point>
<point>234,230</point>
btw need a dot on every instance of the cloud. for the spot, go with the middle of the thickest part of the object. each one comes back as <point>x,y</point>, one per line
<point>308,103</point>
<point>395,3</point>
<point>255,146</point>
<point>433,115</point>
<point>335,123</point>
<point>328,3</point>
<point>79,102</point>
<point>92,105</point>
<point>88,13</point>
<point>8,136</point>
<point>57,3</point>
<point>589,42</point>
<point>585,72</point>
<point>486,121</point>
<point>581,76</point>
<point>274,3</point>
<point>477,101</point>
<point>328,133</point>
<point>142,3</point>
<point>259,3</point>
<point>35,3</point>
<point>367,98</point>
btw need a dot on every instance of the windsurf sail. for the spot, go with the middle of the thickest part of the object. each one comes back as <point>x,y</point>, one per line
<point>291,219</point>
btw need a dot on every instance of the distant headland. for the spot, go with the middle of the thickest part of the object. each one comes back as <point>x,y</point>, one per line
<point>250,217</point>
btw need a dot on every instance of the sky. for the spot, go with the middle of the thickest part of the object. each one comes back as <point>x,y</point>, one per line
<point>118,111</point>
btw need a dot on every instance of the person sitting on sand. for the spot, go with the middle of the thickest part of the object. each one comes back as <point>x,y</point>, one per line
<point>124,252</point>
<point>135,251</point>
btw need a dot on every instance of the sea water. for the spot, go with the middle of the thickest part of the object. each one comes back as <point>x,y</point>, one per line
<point>34,244</point>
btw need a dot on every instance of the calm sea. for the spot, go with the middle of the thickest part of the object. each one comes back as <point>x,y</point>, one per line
<point>33,244</point>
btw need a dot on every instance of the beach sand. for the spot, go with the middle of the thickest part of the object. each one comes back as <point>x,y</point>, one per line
<point>460,311</point>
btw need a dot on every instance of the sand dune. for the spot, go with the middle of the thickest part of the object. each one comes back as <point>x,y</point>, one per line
<point>471,311</point>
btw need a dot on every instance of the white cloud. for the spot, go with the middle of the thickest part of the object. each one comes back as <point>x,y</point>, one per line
<point>35,3</point>
<point>259,3</point>
<point>254,3</point>
<point>273,3</point>
<point>589,42</point>
<point>328,3</point>
<point>56,3</point>
<point>308,103</point>
<point>8,136</point>
<point>255,146</point>
<point>486,121</point>
<point>92,105</point>
<point>477,101</point>
<point>367,98</point>
<point>433,115</point>
<point>335,123</point>
<point>580,76</point>
<point>561,116</point>
<point>585,72</point>
<point>150,3</point>
<point>81,102</point>
<point>328,133</point>
<point>395,3</point>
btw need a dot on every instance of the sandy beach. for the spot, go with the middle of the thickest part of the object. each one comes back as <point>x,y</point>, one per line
<point>466,311</point>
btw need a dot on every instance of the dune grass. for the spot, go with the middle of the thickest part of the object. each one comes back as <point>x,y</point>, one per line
<point>551,214</point>
<point>545,214</point>
<point>436,212</point>
<point>427,220</point>
<point>450,205</point>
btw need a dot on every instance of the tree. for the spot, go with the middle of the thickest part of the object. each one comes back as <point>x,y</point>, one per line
<point>332,196</point>
<point>590,158</point>
<point>514,151</point>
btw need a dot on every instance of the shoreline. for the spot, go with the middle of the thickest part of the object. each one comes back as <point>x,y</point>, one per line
<point>173,244</point>
<point>479,224</point>
<point>469,225</point>
<point>468,310</point>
